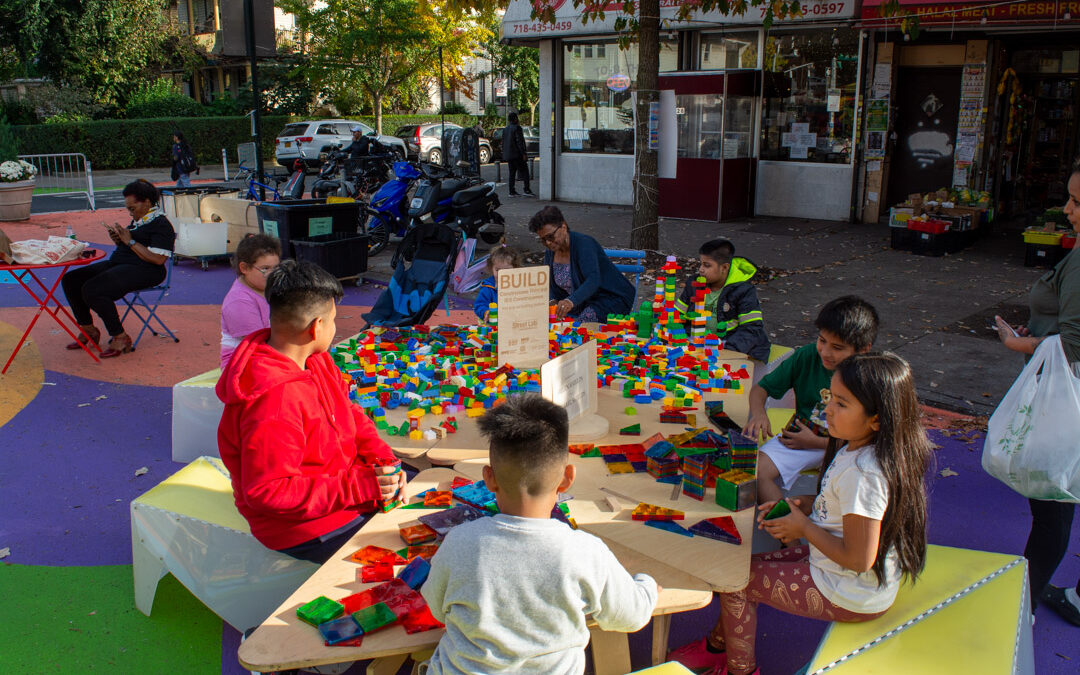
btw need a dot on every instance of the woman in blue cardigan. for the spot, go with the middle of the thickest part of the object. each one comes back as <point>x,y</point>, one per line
<point>584,282</point>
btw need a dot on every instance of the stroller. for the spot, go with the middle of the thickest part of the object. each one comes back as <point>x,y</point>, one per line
<point>422,266</point>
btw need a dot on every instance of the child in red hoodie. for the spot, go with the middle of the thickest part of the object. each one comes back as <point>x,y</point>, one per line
<point>304,460</point>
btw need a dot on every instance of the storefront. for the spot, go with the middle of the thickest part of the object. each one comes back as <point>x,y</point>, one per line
<point>750,122</point>
<point>986,98</point>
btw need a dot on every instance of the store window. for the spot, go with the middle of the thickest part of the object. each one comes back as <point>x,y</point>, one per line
<point>714,127</point>
<point>596,117</point>
<point>809,95</point>
<point>718,51</point>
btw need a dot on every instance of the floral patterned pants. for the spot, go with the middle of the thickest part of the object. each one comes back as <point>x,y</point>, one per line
<point>782,580</point>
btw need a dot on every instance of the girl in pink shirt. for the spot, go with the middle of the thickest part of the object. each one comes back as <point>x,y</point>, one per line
<point>244,309</point>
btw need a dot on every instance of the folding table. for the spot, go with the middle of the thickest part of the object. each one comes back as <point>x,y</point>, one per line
<point>26,273</point>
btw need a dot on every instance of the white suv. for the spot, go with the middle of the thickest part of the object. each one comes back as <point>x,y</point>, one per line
<point>317,136</point>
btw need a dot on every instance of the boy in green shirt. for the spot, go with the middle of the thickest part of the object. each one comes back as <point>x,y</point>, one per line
<point>846,326</point>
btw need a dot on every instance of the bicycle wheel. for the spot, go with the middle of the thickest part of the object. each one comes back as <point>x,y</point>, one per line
<point>378,231</point>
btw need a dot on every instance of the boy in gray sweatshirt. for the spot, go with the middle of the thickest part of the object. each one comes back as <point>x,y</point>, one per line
<point>514,589</point>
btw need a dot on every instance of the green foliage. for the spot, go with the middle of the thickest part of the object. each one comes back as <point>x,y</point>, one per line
<point>107,46</point>
<point>521,64</point>
<point>52,103</point>
<point>454,108</point>
<point>286,90</point>
<point>491,110</point>
<point>161,98</point>
<point>9,145</point>
<point>140,143</point>
<point>18,112</point>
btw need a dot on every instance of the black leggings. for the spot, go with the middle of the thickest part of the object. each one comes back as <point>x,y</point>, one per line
<point>520,167</point>
<point>97,287</point>
<point>1051,523</point>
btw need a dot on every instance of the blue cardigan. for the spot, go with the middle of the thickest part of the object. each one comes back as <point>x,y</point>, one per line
<point>596,281</point>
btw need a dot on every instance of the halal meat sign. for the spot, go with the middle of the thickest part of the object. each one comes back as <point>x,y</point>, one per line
<point>618,83</point>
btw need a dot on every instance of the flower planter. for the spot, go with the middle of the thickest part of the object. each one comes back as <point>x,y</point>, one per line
<point>15,200</point>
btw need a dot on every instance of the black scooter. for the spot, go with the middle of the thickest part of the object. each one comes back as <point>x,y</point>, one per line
<point>464,203</point>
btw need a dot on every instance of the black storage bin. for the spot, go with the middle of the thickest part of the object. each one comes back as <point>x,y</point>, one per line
<point>342,254</point>
<point>304,218</point>
<point>902,238</point>
<point>1042,255</point>
<point>930,244</point>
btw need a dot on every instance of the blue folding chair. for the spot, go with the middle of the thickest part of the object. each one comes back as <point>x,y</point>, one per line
<point>134,300</point>
<point>635,269</point>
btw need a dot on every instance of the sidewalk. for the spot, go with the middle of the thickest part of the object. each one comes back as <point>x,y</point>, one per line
<point>934,311</point>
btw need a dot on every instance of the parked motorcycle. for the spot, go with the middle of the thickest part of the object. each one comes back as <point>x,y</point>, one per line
<point>388,211</point>
<point>471,206</point>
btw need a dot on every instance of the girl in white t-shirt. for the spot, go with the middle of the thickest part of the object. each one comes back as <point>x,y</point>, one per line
<point>867,526</point>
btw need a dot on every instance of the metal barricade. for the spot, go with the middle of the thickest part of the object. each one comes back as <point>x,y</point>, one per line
<point>245,154</point>
<point>63,174</point>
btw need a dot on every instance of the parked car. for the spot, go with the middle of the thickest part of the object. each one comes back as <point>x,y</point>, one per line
<point>317,136</point>
<point>423,142</point>
<point>532,142</point>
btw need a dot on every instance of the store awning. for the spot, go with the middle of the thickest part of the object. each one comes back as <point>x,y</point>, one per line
<point>1001,13</point>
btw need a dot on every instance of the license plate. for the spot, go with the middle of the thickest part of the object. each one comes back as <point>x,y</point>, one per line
<point>288,144</point>
<point>416,203</point>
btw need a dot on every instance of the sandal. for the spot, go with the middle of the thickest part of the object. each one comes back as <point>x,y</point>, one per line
<point>89,334</point>
<point>120,344</point>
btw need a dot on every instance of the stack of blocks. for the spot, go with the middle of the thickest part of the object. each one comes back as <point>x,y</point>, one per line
<point>743,452</point>
<point>736,490</point>
<point>698,315</point>
<point>695,470</point>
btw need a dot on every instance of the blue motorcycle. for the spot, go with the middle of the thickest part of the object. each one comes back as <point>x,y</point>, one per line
<point>388,212</point>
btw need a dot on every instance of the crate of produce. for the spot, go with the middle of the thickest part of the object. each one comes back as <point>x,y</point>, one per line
<point>303,218</point>
<point>1041,237</point>
<point>900,215</point>
<point>928,226</point>
<point>342,254</point>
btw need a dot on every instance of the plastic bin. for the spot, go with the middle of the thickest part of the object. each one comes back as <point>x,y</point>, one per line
<point>1042,255</point>
<point>902,238</point>
<point>936,243</point>
<point>305,218</point>
<point>196,239</point>
<point>342,254</point>
<point>1068,241</point>
<point>1040,237</point>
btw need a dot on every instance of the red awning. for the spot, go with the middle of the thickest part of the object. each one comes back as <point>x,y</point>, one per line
<point>1019,12</point>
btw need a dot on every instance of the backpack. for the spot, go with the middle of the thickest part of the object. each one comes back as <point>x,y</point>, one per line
<point>187,160</point>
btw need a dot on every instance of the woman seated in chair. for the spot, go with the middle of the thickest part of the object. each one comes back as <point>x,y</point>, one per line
<point>142,250</point>
<point>584,282</point>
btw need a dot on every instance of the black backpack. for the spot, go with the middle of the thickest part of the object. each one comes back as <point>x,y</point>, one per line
<point>187,160</point>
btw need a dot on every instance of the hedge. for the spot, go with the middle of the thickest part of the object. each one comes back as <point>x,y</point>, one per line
<point>135,143</point>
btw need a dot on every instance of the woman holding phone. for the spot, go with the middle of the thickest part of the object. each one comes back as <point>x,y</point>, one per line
<point>142,250</point>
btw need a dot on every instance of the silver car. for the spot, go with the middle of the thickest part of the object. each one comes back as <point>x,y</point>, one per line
<point>317,136</point>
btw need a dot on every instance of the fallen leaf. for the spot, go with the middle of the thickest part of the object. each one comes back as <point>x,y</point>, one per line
<point>101,398</point>
<point>92,613</point>
<point>946,472</point>
<point>141,471</point>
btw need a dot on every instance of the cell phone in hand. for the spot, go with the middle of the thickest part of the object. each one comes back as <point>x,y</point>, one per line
<point>994,328</point>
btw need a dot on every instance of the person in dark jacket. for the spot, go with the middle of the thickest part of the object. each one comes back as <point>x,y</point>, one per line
<point>183,160</point>
<point>584,281</point>
<point>361,144</point>
<point>513,149</point>
<point>143,248</point>
<point>732,299</point>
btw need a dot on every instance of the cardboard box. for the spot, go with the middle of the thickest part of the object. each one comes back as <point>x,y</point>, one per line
<point>900,215</point>
<point>238,213</point>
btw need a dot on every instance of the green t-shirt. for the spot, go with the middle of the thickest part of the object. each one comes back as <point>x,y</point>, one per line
<point>803,372</point>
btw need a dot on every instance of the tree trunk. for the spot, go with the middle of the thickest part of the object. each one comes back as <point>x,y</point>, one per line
<point>645,232</point>
<point>378,111</point>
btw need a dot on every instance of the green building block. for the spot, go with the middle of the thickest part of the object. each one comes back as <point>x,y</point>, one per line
<point>595,452</point>
<point>779,510</point>
<point>374,617</point>
<point>736,490</point>
<point>632,430</point>
<point>320,610</point>
<point>630,410</point>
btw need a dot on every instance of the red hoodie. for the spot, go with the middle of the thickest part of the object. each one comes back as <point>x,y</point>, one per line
<point>298,450</point>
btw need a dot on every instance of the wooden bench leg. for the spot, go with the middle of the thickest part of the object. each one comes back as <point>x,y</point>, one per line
<point>610,652</point>
<point>661,629</point>
<point>386,665</point>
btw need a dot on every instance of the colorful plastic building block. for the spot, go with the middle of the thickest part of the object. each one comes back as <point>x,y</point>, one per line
<point>721,528</point>
<point>439,498</point>
<point>632,430</point>
<point>374,618</point>
<point>375,555</point>
<point>644,511</point>
<point>415,573</point>
<point>377,572</point>
<point>669,526</point>
<point>779,510</point>
<point>416,534</point>
<point>337,631</point>
<point>320,610</point>
<point>736,490</point>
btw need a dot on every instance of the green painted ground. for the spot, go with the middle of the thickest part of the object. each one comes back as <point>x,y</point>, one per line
<point>83,619</point>
<point>51,191</point>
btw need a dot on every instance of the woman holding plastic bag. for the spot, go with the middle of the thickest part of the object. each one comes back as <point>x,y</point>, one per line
<point>1033,439</point>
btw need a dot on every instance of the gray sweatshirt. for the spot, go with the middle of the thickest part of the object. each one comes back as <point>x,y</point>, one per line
<point>514,592</point>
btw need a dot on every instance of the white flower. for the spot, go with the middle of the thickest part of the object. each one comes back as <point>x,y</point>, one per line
<point>20,170</point>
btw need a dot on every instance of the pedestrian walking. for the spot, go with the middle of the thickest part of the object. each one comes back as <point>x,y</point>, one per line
<point>183,160</point>
<point>517,159</point>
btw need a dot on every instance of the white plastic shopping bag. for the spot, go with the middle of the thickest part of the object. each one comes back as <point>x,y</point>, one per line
<point>1033,438</point>
<point>55,250</point>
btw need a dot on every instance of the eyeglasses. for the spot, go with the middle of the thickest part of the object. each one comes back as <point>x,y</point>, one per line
<point>549,238</point>
<point>266,270</point>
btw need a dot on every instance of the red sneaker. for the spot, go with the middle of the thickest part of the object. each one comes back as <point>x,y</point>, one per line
<point>697,657</point>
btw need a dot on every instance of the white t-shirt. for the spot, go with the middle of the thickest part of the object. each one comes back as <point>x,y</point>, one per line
<point>513,593</point>
<point>853,484</point>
